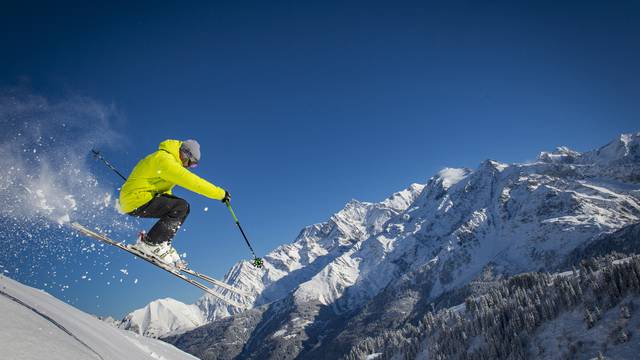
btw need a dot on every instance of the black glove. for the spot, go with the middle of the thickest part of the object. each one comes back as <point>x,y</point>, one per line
<point>227,197</point>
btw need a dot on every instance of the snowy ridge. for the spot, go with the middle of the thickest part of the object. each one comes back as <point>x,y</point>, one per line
<point>618,159</point>
<point>511,217</point>
<point>35,325</point>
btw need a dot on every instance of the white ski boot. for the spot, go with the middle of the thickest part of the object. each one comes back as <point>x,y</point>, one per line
<point>163,251</point>
<point>175,258</point>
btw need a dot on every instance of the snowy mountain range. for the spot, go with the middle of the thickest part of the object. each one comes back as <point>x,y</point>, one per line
<point>372,266</point>
<point>35,325</point>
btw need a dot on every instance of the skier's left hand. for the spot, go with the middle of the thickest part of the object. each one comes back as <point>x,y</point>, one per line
<point>226,198</point>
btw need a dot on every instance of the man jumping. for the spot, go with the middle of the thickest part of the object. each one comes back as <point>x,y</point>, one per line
<point>147,194</point>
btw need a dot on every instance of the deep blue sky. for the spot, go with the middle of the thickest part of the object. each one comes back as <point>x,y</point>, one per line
<point>301,106</point>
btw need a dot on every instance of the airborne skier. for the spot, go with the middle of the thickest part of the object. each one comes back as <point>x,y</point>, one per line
<point>147,194</point>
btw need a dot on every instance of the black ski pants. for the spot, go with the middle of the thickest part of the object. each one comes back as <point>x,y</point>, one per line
<point>172,212</point>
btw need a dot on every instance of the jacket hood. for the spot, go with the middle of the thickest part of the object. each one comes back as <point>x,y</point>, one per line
<point>172,147</point>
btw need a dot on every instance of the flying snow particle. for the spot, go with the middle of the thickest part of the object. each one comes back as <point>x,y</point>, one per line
<point>63,219</point>
<point>206,208</point>
<point>106,200</point>
<point>71,202</point>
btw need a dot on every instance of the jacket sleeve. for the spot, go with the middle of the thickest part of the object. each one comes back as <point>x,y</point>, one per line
<point>172,171</point>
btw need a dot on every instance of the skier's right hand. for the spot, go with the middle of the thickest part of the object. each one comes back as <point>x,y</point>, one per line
<point>227,197</point>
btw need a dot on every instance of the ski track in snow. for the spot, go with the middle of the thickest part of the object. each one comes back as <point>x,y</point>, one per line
<point>49,319</point>
<point>37,316</point>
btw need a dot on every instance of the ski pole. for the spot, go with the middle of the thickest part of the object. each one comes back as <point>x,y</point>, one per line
<point>257,262</point>
<point>98,156</point>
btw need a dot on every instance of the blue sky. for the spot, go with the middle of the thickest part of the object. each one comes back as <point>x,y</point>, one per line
<point>302,106</point>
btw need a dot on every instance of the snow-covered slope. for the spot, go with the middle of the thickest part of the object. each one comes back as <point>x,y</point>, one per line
<point>35,325</point>
<point>510,218</point>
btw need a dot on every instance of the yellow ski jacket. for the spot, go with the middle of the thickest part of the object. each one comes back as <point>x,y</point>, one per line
<point>158,173</point>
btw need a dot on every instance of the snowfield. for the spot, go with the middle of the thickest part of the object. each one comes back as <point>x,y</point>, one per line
<point>35,325</point>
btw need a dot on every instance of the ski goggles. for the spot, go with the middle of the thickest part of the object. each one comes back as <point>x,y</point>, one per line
<point>192,162</point>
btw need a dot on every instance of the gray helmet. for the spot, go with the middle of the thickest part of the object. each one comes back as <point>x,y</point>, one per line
<point>191,148</point>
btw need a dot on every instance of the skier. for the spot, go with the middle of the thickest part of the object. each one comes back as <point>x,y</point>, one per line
<point>147,194</point>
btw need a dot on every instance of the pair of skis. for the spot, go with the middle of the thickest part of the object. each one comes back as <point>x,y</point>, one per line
<point>178,272</point>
